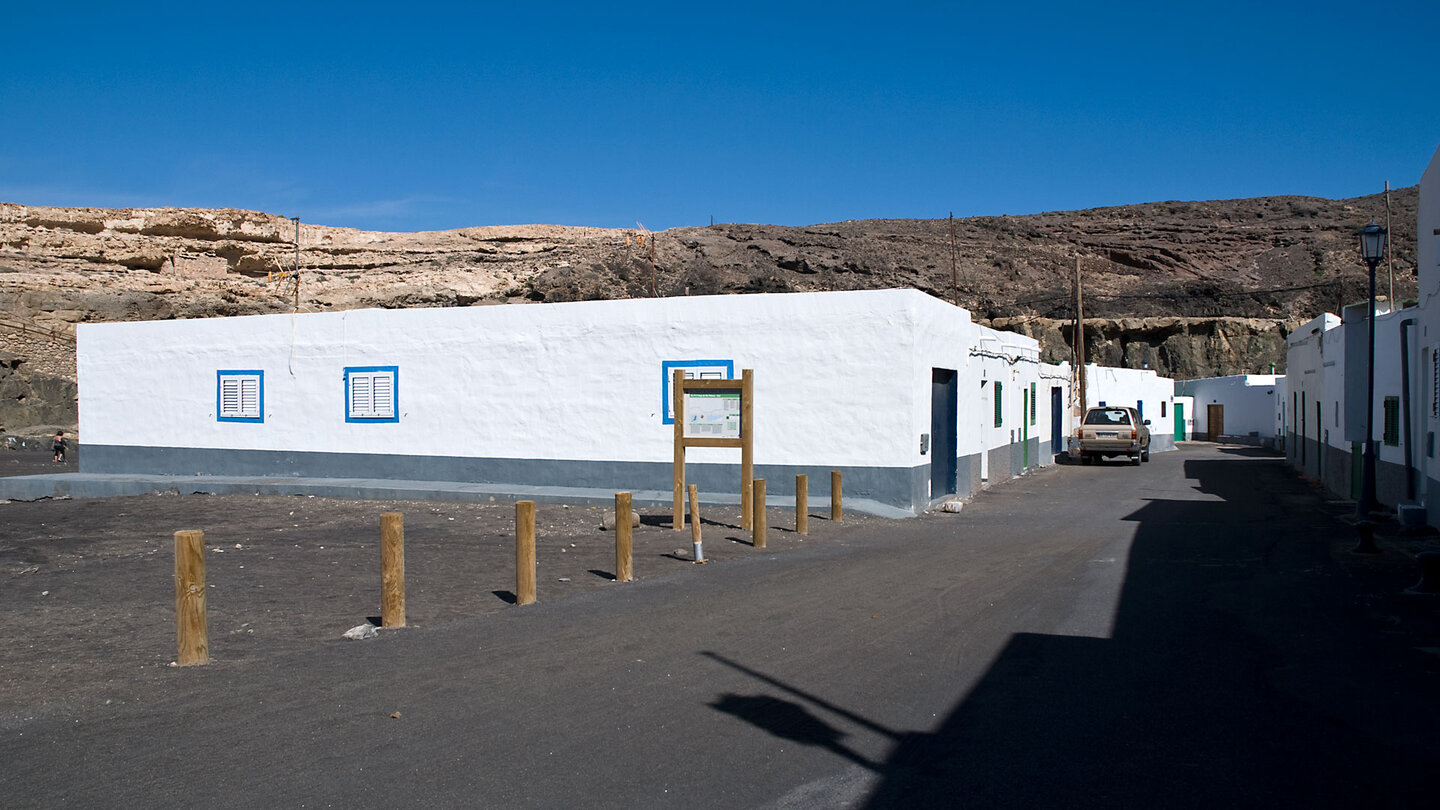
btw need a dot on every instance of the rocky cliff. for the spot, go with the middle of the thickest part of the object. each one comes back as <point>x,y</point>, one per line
<point>1190,288</point>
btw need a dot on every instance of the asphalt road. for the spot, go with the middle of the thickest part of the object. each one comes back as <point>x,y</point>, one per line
<point>1188,633</point>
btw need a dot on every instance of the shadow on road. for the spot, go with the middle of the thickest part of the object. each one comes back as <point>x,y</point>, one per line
<point>1247,668</point>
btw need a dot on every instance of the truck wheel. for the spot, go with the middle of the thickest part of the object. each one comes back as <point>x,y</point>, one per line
<point>1145,455</point>
<point>1085,459</point>
<point>1135,460</point>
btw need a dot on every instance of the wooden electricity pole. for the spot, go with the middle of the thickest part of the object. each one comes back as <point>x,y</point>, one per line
<point>1389,256</point>
<point>1079,339</point>
<point>954,273</point>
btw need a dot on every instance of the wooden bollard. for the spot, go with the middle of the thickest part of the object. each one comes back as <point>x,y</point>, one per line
<point>758,538</point>
<point>525,552</point>
<point>835,511</point>
<point>392,569</point>
<point>624,541</point>
<point>802,504</point>
<point>192,637</point>
<point>697,549</point>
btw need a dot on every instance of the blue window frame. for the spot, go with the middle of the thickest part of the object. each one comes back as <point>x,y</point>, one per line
<point>372,394</point>
<point>240,395</point>
<point>694,370</point>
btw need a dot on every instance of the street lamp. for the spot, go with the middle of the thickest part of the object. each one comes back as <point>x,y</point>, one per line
<point>1372,249</point>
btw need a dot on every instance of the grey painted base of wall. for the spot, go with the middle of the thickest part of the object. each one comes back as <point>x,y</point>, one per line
<point>903,488</point>
<point>1331,466</point>
<point>896,486</point>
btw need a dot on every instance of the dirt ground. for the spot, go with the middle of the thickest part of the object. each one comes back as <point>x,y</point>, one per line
<point>88,588</point>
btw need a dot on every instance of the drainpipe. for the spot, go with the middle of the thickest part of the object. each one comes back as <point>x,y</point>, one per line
<point>1405,405</point>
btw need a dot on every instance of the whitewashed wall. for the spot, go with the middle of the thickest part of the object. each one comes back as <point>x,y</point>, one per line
<point>1249,401</point>
<point>1129,387</point>
<point>1427,255</point>
<point>559,381</point>
<point>842,380</point>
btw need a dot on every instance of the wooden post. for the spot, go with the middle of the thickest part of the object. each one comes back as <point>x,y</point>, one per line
<point>192,638</point>
<point>392,569</point>
<point>747,443</point>
<point>524,552</point>
<point>835,511</point>
<point>698,549</point>
<point>758,538</point>
<point>802,504</point>
<point>624,562</point>
<point>677,406</point>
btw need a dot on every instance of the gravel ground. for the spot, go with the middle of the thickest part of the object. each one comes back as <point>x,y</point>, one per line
<point>88,591</point>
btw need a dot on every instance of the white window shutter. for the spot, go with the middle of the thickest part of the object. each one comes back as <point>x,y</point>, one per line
<point>360,398</point>
<point>382,395</point>
<point>230,396</point>
<point>249,396</point>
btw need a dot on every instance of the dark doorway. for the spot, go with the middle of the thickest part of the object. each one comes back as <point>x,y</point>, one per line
<point>1057,432</point>
<point>944,410</point>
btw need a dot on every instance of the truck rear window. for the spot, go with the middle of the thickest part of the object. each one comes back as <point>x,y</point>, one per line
<point>1108,416</point>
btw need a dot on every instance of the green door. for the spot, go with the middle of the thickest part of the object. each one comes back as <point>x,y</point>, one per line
<point>1024,431</point>
<point>1179,421</point>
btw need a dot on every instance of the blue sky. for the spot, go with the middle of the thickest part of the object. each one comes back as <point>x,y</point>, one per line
<point>424,116</point>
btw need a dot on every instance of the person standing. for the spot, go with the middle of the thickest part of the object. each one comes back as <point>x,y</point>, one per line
<point>59,446</point>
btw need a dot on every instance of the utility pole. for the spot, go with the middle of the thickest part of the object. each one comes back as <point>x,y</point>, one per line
<point>954,273</point>
<point>1389,249</point>
<point>297,262</point>
<point>1079,339</point>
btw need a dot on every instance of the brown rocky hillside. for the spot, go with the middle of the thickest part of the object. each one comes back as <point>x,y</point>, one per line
<point>1191,288</point>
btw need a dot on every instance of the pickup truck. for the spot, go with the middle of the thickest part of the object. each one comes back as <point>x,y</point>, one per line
<point>1113,431</point>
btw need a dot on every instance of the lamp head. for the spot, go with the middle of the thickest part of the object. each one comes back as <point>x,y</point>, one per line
<point>1372,242</point>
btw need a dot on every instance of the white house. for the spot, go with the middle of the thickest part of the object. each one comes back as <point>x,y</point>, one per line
<point>1239,406</point>
<point>902,392</point>
<point>1324,406</point>
<point>1143,389</point>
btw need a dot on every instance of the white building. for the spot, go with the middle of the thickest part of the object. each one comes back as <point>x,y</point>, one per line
<point>1142,389</point>
<point>1323,407</point>
<point>902,392</point>
<point>1240,406</point>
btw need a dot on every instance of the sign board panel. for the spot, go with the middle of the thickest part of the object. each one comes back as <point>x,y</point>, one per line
<point>694,370</point>
<point>712,414</point>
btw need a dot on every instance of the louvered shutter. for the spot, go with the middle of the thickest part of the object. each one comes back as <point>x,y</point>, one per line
<point>382,395</point>
<point>230,397</point>
<point>361,401</point>
<point>249,397</point>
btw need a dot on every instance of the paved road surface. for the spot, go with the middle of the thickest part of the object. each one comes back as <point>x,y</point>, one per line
<point>1189,633</point>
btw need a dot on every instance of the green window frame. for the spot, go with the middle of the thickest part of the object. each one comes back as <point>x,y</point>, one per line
<point>1392,421</point>
<point>999,404</point>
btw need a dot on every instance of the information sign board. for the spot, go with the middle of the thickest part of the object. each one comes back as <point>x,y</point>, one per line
<point>712,414</point>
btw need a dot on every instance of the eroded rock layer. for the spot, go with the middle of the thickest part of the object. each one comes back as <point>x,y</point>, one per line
<point>1190,288</point>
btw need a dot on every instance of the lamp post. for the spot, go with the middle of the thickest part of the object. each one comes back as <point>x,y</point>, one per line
<point>1372,249</point>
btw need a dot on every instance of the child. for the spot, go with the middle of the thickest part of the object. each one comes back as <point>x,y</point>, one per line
<point>59,446</point>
